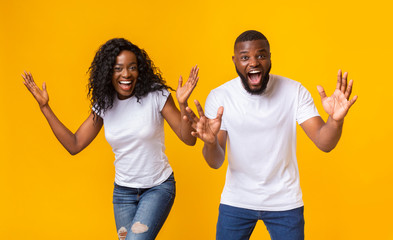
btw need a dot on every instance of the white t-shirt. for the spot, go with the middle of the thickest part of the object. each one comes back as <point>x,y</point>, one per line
<point>262,172</point>
<point>135,131</point>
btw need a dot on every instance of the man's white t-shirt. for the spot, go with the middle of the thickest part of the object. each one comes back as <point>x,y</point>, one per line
<point>262,169</point>
<point>135,131</point>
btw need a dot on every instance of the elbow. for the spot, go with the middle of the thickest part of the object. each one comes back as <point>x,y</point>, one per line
<point>73,152</point>
<point>214,165</point>
<point>326,149</point>
<point>191,142</point>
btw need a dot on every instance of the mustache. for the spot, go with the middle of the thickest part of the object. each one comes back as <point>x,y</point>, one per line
<point>265,80</point>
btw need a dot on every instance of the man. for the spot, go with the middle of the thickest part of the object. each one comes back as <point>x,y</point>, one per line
<point>259,127</point>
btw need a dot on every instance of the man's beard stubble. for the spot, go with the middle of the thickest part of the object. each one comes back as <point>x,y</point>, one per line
<point>265,80</point>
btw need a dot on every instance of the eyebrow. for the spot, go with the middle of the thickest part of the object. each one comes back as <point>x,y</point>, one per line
<point>123,63</point>
<point>260,50</point>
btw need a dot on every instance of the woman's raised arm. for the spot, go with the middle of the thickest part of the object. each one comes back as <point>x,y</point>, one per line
<point>72,142</point>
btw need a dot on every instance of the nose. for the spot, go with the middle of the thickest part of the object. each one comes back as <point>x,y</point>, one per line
<point>126,73</point>
<point>254,62</point>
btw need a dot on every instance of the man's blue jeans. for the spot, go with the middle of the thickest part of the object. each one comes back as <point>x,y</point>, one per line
<point>141,212</point>
<point>238,223</point>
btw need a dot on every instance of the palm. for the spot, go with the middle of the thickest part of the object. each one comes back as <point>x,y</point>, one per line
<point>41,96</point>
<point>206,129</point>
<point>183,92</point>
<point>338,104</point>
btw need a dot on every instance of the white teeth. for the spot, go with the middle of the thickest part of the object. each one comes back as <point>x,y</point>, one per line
<point>254,71</point>
<point>125,82</point>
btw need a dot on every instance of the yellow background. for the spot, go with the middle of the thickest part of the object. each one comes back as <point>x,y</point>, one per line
<point>48,194</point>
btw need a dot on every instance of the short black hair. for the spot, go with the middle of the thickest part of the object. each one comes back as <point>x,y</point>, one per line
<point>251,35</point>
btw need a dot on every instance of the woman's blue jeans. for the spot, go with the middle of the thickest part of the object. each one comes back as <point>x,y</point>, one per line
<point>141,212</point>
<point>238,223</point>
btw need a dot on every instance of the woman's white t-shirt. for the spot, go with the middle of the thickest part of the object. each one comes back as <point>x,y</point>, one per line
<point>135,131</point>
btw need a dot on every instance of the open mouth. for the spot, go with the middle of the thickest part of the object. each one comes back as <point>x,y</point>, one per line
<point>125,85</point>
<point>254,77</point>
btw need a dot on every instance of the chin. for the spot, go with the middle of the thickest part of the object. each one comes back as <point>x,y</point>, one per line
<point>256,90</point>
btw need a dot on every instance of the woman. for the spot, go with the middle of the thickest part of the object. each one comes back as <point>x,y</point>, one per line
<point>129,97</point>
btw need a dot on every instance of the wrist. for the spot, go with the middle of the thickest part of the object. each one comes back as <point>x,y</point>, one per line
<point>183,104</point>
<point>212,144</point>
<point>337,123</point>
<point>44,107</point>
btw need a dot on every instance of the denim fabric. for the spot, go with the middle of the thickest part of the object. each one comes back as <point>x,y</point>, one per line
<point>149,207</point>
<point>238,223</point>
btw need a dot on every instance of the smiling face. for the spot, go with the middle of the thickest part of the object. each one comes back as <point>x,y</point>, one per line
<point>252,62</point>
<point>125,74</point>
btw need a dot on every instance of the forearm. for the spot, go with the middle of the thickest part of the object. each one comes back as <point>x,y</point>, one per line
<point>62,133</point>
<point>213,154</point>
<point>185,127</point>
<point>329,135</point>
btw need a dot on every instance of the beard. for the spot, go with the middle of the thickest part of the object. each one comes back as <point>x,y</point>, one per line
<point>265,80</point>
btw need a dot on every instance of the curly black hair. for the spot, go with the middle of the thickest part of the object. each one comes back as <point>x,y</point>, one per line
<point>101,91</point>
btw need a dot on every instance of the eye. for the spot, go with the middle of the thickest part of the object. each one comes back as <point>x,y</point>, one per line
<point>133,68</point>
<point>117,69</point>
<point>244,57</point>
<point>261,56</point>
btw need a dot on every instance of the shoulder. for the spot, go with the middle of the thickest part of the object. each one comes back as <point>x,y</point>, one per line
<point>279,84</point>
<point>226,87</point>
<point>161,94</point>
<point>159,98</point>
<point>284,81</point>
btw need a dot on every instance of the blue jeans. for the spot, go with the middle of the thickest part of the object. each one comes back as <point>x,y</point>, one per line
<point>141,212</point>
<point>238,223</point>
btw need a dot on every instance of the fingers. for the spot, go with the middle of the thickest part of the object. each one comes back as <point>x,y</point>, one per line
<point>321,92</point>
<point>348,91</point>
<point>191,116</point>
<point>25,82</point>
<point>180,82</point>
<point>220,112</point>
<point>191,82</point>
<point>193,78</point>
<point>339,76</point>
<point>190,120</point>
<point>199,109</point>
<point>353,100</point>
<point>344,82</point>
<point>25,77</point>
<point>194,71</point>
<point>190,113</point>
<point>28,80</point>
<point>194,134</point>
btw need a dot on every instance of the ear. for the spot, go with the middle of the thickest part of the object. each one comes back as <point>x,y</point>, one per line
<point>233,59</point>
